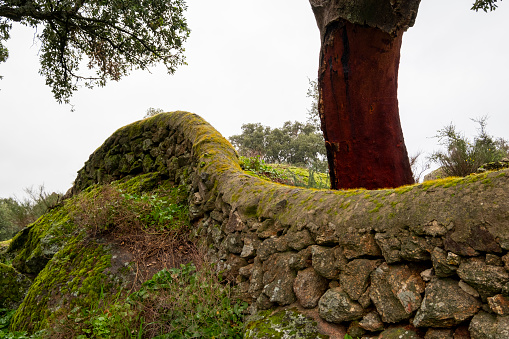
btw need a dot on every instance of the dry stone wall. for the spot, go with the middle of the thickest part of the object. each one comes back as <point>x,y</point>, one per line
<point>429,260</point>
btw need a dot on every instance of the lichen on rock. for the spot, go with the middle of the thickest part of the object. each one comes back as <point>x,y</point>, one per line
<point>283,324</point>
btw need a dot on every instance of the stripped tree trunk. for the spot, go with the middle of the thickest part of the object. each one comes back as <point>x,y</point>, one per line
<point>358,84</point>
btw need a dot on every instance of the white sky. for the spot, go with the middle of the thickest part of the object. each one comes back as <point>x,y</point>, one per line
<point>249,61</point>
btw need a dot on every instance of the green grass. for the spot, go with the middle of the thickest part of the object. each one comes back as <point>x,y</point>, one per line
<point>285,174</point>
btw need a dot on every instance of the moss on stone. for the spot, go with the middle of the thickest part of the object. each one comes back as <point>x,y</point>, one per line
<point>143,183</point>
<point>377,207</point>
<point>283,324</point>
<point>14,287</point>
<point>72,270</point>
<point>5,244</point>
<point>4,257</point>
<point>35,246</point>
<point>74,277</point>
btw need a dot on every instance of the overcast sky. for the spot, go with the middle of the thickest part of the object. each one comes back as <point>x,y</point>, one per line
<point>249,61</point>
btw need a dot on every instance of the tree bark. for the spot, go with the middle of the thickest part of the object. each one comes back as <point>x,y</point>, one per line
<point>358,84</point>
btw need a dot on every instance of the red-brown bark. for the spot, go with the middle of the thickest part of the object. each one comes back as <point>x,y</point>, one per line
<point>358,83</point>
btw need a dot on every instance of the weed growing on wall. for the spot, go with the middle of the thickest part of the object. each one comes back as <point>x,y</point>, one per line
<point>111,208</point>
<point>157,213</point>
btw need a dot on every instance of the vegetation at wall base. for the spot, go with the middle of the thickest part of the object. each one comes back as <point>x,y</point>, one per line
<point>5,318</point>
<point>175,303</point>
<point>168,290</point>
<point>183,302</point>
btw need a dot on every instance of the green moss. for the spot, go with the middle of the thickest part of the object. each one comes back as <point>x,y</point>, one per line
<point>135,129</point>
<point>351,193</point>
<point>487,182</point>
<point>403,189</point>
<point>75,277</point>
<point>111,162</point>
<point>142,183</point>
<point>377,207</point>
<point>345,205</point>
<point>147,163</point>
<point>282,324</point>
<point>4,246</point>
<point>251,211</point>
<point>456,181</point>
<point>34,247</point>
<point>14,287</point>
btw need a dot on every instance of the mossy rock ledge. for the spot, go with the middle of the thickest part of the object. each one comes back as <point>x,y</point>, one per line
<point>370,263</point>
<point>14,287</point>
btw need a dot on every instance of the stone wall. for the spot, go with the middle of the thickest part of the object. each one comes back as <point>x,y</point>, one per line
<point>429,260</point>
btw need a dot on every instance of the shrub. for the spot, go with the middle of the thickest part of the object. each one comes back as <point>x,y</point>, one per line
<point>462,156</point>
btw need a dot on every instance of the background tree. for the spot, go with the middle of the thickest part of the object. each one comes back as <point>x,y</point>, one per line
<point>7,227</point>
<point>358,82</point>
<point>152,111</point>
<point>485,5</point>
<point>295,143</point>
<point>17,213</point>
<point>252,141</point>
<point>313,113</point>
<point>106,38</point>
